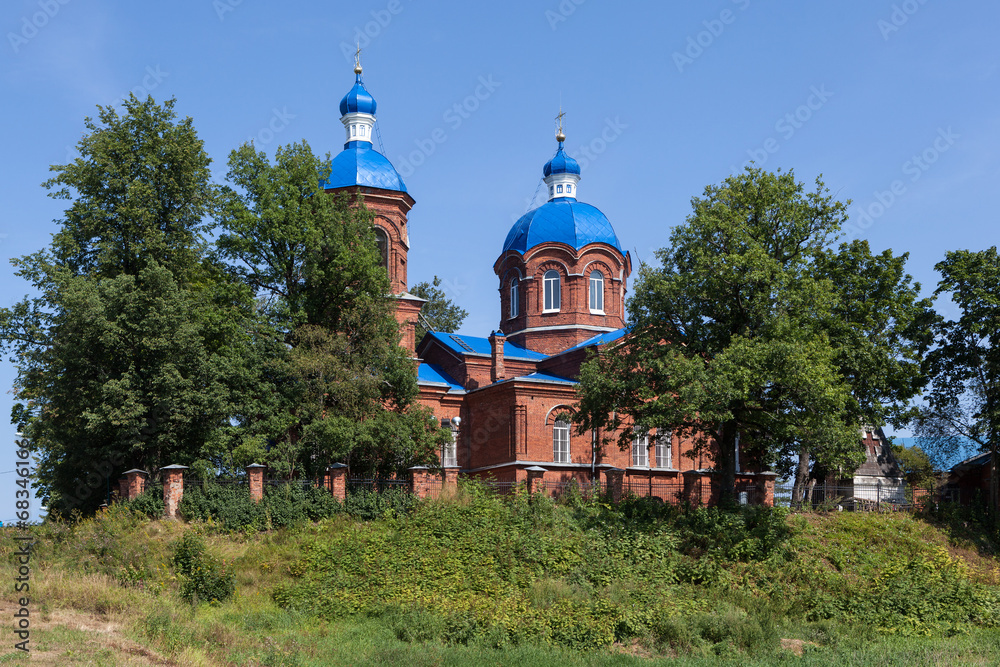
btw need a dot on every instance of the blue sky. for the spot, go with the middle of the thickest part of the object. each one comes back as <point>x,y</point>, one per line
<point>893,102</point>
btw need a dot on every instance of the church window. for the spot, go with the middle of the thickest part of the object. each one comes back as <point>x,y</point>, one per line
<point>596,292</point>
<point>640,448</point>
<point>551,286</point>
<point>362,130</point>
<point>552,190</point>
<point>664,454</point>
<point>560,442</point>
<point>449,452</point>
<point>513,297</point>
<point>382,240</point>
<point>569,189</point>
<point>354,130</point>
<point>559,189</point>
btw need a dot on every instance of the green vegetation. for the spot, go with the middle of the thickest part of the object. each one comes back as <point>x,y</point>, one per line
<point>476,579</point>
<point>439,312</point>
<point>756,326</point>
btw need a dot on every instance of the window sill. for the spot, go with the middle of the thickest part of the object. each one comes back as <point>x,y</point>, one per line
<point>550,310</point>
<point>597,312</point>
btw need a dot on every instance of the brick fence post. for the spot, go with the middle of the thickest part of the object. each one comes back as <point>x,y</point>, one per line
<point>420,481</point>
<point>536,479</point>
<point>614,479</point>
<point>255,478</point>
<point>765,488</point>
<point>135,483</point>
<point>337,476</point>
<point>173,489</point>
<point>450,480</point>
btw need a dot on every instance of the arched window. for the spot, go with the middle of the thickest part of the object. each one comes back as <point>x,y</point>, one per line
<point>513,297</point>
<point>559,189</point>
<point>382,240</point>
<point>551,286</point>
<point>560,442</point>
<point>596,292</point>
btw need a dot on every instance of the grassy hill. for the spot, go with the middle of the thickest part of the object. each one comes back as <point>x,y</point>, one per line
<point>478,580</point>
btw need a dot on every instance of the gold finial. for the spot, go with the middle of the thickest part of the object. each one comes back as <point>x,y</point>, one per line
<point>357,59</point>
<point>560,137</point>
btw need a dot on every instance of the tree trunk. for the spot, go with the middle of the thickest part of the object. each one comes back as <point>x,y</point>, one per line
<point>801,477</point>
<point>726,461</point>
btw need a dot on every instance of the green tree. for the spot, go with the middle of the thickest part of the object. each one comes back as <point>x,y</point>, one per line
<point>750,328</point>
<point>915,464</point>
<point>134,352</point>
<point>313,262</point>
<point>963,404</point>
<point>439,313</point>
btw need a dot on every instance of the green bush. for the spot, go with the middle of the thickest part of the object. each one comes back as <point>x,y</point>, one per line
<point>370,504</point>
<point>149,502</point>
<point>231,506</point>
<point>205,579</point>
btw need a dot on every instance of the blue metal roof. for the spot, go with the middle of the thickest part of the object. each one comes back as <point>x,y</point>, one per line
<point>564,220</point>
<point>475,345</point>
<point>561,164</point>
<point>546,377</point>
<point>600,339</point>
<point>360,164</point>
<point>358,100</point>
<point>433,374</point>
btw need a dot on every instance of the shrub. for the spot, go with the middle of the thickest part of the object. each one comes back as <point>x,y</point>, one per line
<point>149,502</point>
<point>205,579</point>
<point>391,502</point>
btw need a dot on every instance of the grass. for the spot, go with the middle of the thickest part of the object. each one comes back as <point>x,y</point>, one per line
<point>476,580</point>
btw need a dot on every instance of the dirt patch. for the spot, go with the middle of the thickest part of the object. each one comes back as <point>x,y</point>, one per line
<point>102,634</point>
<point>797,646</point>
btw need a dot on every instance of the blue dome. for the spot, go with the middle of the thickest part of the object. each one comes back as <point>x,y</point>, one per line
<point>561,164</point>
<point>358,100</point>
<point>564,220</point>
<point>360,164</point>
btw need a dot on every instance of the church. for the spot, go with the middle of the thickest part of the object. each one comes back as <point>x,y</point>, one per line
<point>562,278</point>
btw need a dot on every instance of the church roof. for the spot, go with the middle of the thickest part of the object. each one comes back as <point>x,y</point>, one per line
<point>563,220</point>
<point>432,374</point>
<point>464,345</point>
<point>599,339</point>
<point>360,164</point>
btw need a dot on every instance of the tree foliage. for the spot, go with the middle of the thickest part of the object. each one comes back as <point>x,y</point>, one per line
<point>755,326</point>
<point>963,404</point>
<point>135,350</point>
<point>313,262</point>
<point>439,313</point>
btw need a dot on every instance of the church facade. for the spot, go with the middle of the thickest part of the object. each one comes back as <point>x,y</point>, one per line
<point>562,278</point>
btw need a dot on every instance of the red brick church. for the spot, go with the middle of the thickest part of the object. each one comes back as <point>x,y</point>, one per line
<point>562,277</point>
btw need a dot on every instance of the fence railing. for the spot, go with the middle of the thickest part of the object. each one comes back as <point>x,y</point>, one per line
<point>889,497</point>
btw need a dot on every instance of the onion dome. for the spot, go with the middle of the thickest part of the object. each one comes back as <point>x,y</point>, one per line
<point>358,99</point>
<point>562,220</point>
<point>359,164</point>
<point>561,164</point>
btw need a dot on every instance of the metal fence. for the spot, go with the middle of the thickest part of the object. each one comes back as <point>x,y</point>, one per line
<point>890,497</point>
<point>356,484</point>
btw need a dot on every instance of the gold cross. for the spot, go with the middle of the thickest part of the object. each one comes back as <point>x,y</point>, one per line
<point>357,56</point>
<point>559,118</point>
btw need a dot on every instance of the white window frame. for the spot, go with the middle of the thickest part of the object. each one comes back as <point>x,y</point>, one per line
<point>664,449</point>
<point>560,442</point>
<point>552,297</point>
<point>640,448</point>
<point>449,451</point>
<point>513,297</point>
<point>597,292</point>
